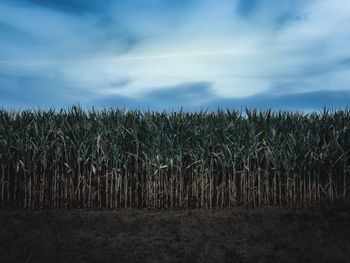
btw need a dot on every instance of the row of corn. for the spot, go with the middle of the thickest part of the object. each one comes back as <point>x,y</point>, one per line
<point>131,159</point>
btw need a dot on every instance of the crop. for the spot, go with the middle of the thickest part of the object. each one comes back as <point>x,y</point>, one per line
<point>116,159</point>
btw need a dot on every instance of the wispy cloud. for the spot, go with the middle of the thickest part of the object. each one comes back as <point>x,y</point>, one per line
<point>177,52</point>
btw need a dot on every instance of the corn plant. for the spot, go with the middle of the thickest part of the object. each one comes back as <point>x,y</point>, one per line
<point>131,159</point>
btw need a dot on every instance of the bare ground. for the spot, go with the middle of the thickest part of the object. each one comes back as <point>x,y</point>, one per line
<point>242,235</point>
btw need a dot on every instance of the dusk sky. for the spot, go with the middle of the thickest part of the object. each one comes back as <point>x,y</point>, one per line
<point>167,54</point>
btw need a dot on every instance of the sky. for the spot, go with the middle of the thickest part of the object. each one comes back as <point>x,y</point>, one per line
<point>166,54</point>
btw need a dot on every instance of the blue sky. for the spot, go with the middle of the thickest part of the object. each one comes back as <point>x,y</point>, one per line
<point>165,54</point>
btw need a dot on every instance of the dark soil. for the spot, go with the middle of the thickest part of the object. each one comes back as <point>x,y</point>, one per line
<point>240,235</point>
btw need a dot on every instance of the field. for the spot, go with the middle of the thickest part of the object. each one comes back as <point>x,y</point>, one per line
<point>241,235</point>
<point>131,186</point>
<point>132,159</point>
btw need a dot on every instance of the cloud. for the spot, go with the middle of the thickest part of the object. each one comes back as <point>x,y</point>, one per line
<point>73,6</point>
<point>172,53</point>
<point>23,89</point>
<point>246,7</point>
<point>306,101</point>
<point>174,100</point>
<point>185,95</point>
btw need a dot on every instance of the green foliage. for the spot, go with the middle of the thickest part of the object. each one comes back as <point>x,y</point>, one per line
<point>115,158</point>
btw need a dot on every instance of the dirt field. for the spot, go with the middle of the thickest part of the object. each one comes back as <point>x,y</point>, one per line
<point>241,235</point>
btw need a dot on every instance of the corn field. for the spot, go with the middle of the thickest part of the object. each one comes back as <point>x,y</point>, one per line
<point>130,159</point>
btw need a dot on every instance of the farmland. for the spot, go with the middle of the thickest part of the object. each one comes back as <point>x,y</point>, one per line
<point>172,160</point>
<point>132,186</point>
<point>304,235</point>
